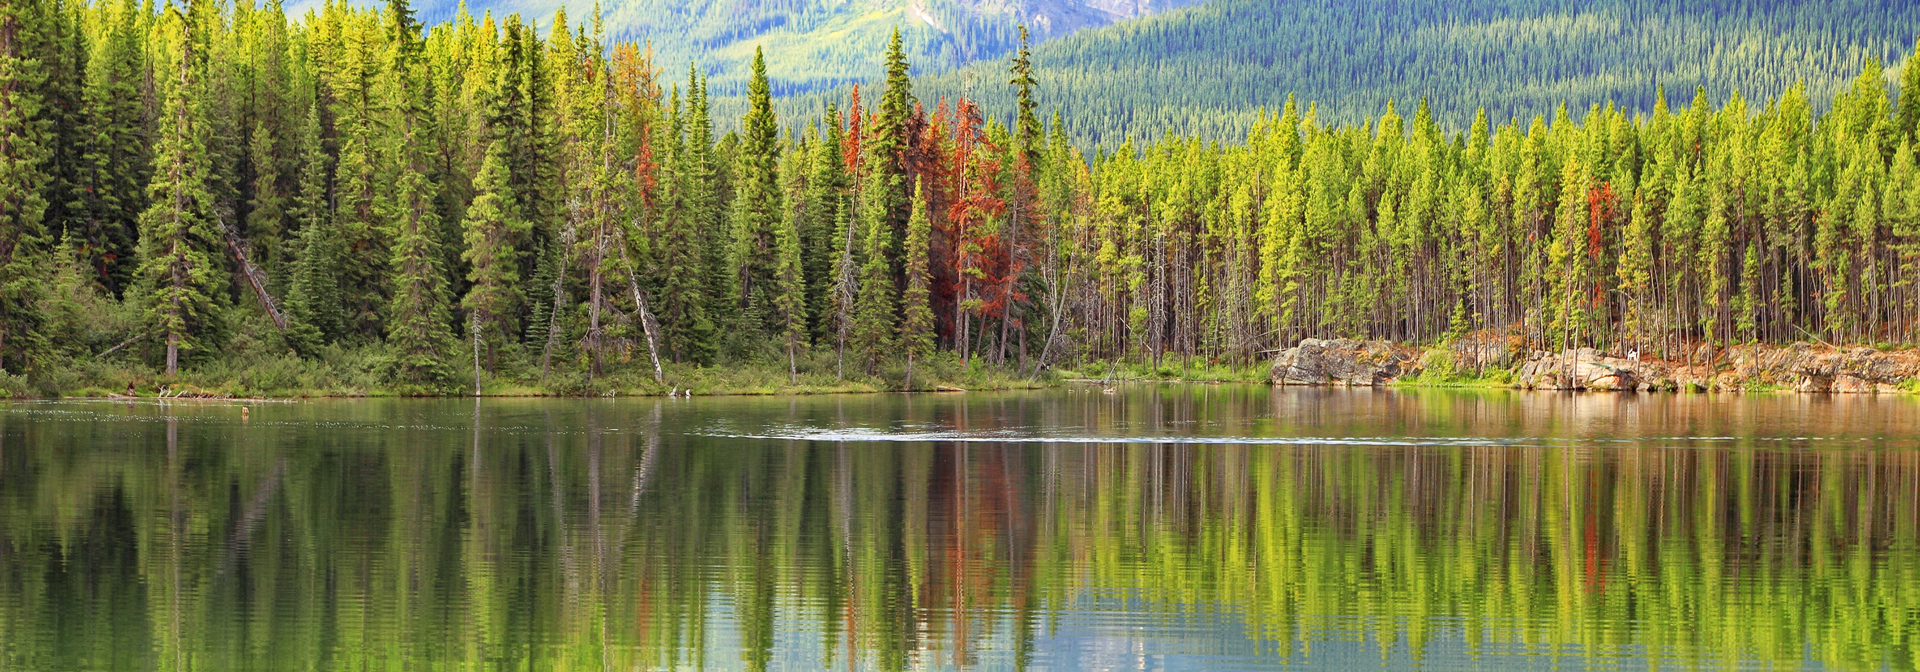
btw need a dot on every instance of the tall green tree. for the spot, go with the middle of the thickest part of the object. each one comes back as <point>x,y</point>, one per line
<point>757,207</point>
<point>492,232</point>
<point>177,232</point>
<point>117,160</point>
<point>826,203</point>
<point>916,323</point>
<point>313,296</point>
<point>22,199</point>
<point>417,315</point>
<point>790,292</point>
<point>873,326</point>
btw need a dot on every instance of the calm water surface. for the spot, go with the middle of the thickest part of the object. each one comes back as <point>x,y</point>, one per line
<point>1181,527</point>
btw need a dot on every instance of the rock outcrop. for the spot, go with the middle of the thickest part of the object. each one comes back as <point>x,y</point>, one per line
<point>1342,362</point>
<point>1800,367</point>
<point>1582,369</point>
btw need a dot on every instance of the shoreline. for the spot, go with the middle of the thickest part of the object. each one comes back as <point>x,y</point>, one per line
<point>1468,363</point>
<point>1813,368</point>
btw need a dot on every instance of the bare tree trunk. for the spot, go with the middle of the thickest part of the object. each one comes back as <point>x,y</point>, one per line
<point>646,318</point>
<point>553,319</point>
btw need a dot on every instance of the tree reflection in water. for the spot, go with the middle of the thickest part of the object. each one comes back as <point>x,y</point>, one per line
<point>1198,527</point>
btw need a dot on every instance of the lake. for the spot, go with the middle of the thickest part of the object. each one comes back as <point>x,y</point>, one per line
<point>1159,527</point>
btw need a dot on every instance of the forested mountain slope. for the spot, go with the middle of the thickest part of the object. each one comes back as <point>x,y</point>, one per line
<point>810,44</point>
<point>1207,69</point>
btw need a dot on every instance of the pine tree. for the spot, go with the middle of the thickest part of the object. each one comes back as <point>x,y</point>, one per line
<point>682,272</point>
<point>267,212</point>
<point>874,309</point>
<point>357,112</point>
<point>22,201</point>
<point>757,207</point>
<point>177,231</point>
<point>491,231</point>
<point>705,210</point>
<point>116,162</point>
<point>819,243</point>
<point>62,52</point>
<point>790,293</point>
<point>916,325</point>
<point>313,297</point>
<point>417,315</point>
<point>1907,126</point>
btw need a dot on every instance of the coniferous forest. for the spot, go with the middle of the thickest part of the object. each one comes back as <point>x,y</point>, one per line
<point>211,189</point>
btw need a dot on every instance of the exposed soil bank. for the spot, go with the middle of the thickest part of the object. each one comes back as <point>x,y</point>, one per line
<point>1800,367</point>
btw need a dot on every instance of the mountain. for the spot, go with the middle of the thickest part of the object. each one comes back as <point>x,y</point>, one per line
<point>811,44</point>
<point>1208,70</point>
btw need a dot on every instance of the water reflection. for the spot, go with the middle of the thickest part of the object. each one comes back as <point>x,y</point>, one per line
<point>1188,528</point>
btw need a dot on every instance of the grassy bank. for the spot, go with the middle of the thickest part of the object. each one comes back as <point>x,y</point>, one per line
<point>1169,370</point>
<point>361,372</point>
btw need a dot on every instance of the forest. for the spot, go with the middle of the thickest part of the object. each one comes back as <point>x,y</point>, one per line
<point>1209,69</point>
<point>212,192</point>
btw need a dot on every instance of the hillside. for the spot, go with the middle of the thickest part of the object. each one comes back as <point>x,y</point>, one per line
<point>1206,70</point>
<point>811,44</point>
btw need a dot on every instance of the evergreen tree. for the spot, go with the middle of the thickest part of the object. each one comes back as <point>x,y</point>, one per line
<point>790,292</point>
<point>682,277</point>
<point>916,326</point>
<point>22,199</point>
<point>177,232</point>
<point>874,309</point>
<point>116,162</point>
<point>1907,125</point>
<point>827,185</point>
<point>417,315</point>
<point>891,142</point>
<point>705,203</point>
<point>757,208</point>
<point>62,52</point>
<point>313,297</point>
<point>267,212</point>
<point>491,232</point>
<point>1026,123</point>
<point>357,111</point>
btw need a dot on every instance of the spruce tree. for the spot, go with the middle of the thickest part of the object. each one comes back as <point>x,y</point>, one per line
<point>357,111</point>
<point>62,52</point>
<point>790,292</point>
<point>874,309</point>
<point>682,272</point>
<point>22,201</point>
<point>267,212</point>
<point>313,297</point>
<point>491,231</point>
<point>116,162</point>
<point>177,232</point>
<point>892,140</point>
<point>916,324</point>
<point>757,206</point>
<point>819,243</point>
<point>1026,123</point>
<point>417,315</point>
<point>704,200</point>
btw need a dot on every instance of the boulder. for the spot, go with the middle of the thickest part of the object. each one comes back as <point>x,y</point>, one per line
<point>1580,369</point>
<point>1341,362</point>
